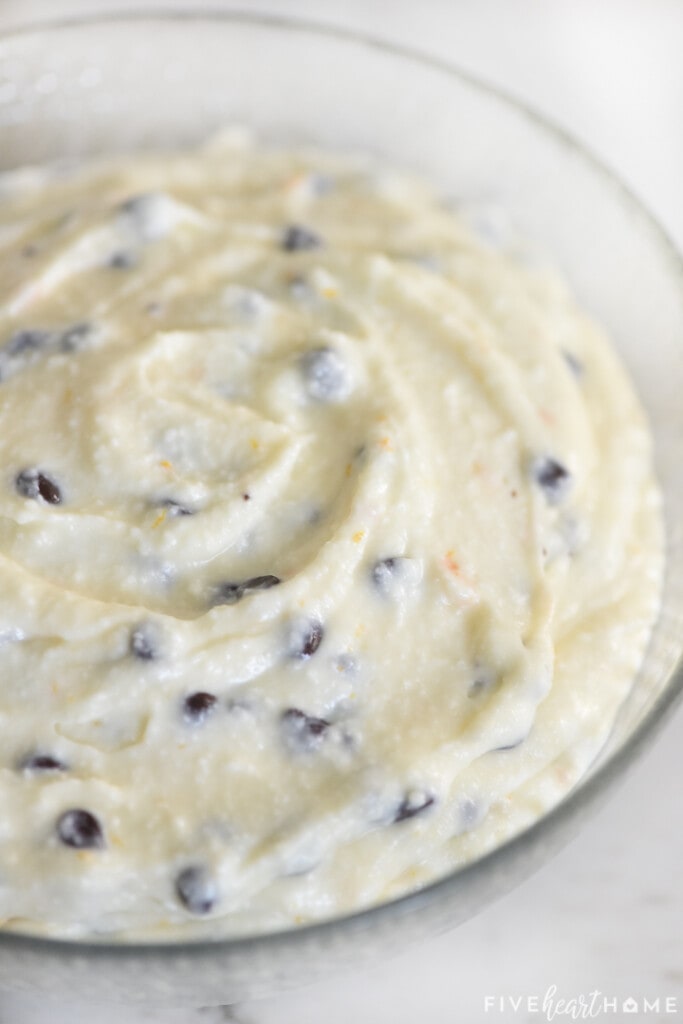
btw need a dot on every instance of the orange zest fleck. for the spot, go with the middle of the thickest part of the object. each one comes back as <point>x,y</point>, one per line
<point>159,519</point>
<point>165,464</point>
<point>385,442</point>
<point>349,469</point>
<point>450,563</point>
<point>358,536</point>
<point>255,444</point>
<point>547,417</point>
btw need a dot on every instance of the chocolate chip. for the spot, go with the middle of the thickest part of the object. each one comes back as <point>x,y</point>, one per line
<point>48,490</point>
<point>415,802</point>
<point>143,642</point>
<point>42,763</point>
<point>299,239</point>
<point>198,706</point>
<point>261,582</point>
<point>552,477</point>
<point>231,593</point>
<point>305,638</point>
<point>122,260</point>
<point>81,830</point>
<point>196,889</point>
<point>302,731</point>
<point>31,483</point>
<point>24,341</point>
<point>325,375</point>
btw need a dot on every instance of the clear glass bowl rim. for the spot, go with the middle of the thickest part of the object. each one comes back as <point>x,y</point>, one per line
<point>585,793</point>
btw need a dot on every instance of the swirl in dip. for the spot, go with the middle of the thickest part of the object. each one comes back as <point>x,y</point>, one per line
<point>329,542</point>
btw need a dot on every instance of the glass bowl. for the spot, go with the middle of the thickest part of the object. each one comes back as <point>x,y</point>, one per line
<point>120,83</point>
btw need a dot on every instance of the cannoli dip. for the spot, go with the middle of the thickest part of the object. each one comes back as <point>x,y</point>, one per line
<point>329,542</point>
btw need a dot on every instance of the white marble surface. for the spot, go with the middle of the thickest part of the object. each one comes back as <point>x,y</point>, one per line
<point>607,913</point>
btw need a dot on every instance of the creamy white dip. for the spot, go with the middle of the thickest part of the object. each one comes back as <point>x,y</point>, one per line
<point>329,542</point>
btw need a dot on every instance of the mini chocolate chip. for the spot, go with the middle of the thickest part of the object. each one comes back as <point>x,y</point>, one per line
<point>196,889</point>
<point>42,763</point>
<point>261,582</point>
<point>302,731</point>
<point>305,638</point>
<point>24,341</point>
<point>325,375</point>
<point>198,706</point>
<point>231,593</point>
<point>143,642</point>
<point>299,239</point>
<point>31,483</point>
<point>122,260</point>
<point>552,477</point>
<point>312,640</point>
<point>414,802</point>
<point>246,496</point>
<point>81,830</point>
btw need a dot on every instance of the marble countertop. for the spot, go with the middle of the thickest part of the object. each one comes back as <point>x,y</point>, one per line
<point>606,914</point>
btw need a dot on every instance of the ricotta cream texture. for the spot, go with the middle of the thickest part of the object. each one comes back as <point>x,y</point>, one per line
<point>329,542</point>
